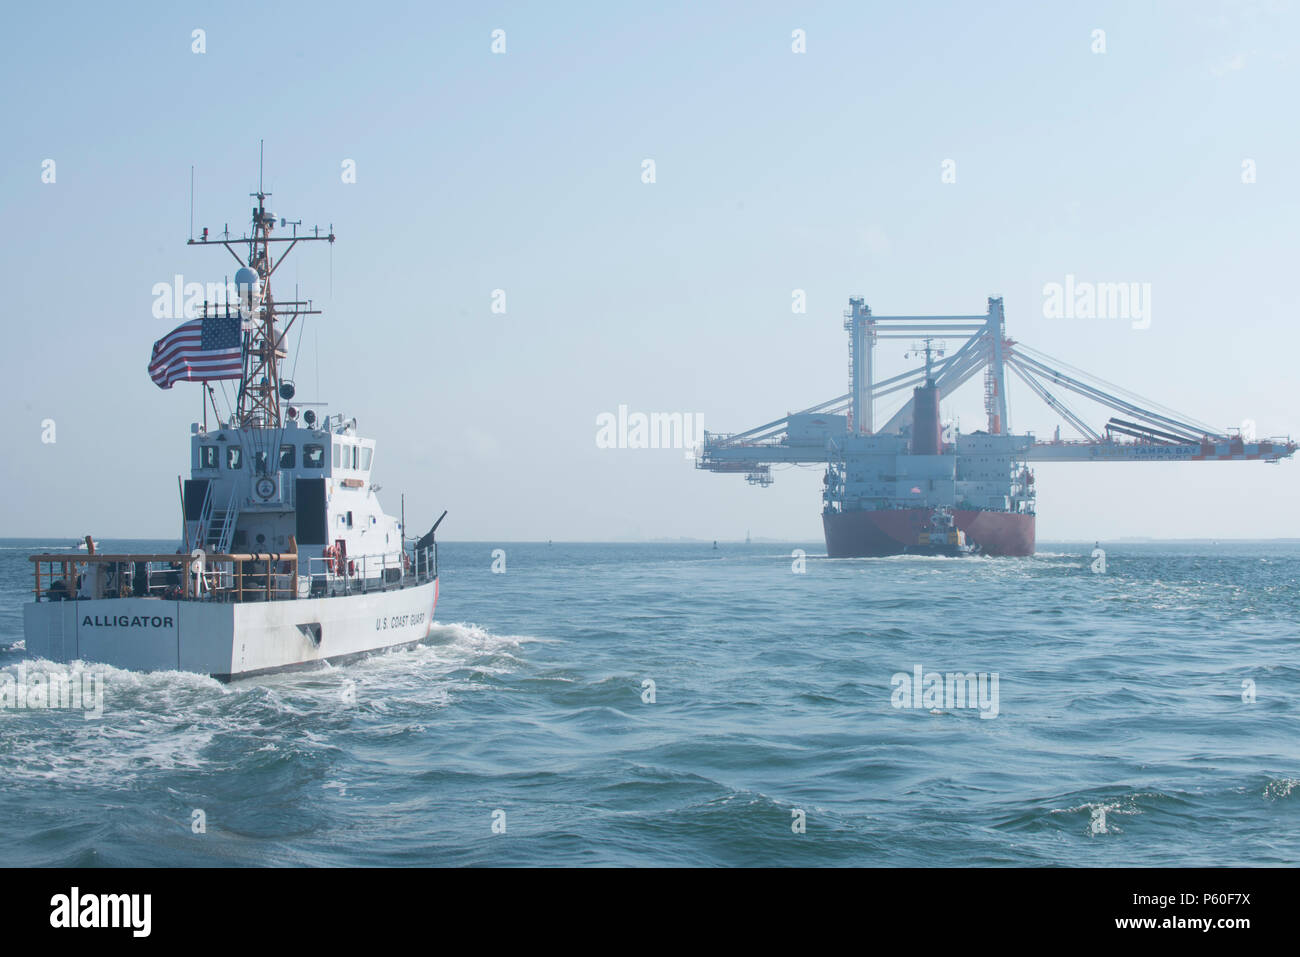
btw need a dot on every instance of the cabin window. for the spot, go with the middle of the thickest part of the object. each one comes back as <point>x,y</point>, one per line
<point>259,462</point>
<point>208,457</point>
<point>288,456</point>
<point>349,519</point>
<point>337,453</point>
<point>366,455</point>
<point>234,457</point>
<point>313,456</point>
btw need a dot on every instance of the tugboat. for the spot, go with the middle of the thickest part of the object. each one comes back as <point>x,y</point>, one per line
<point>942,537</point>
<point>286,558</point>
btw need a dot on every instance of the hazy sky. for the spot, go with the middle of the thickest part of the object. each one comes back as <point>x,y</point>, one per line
<point>522,171</point>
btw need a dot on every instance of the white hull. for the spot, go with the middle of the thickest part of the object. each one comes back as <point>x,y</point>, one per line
<point>228,640</point>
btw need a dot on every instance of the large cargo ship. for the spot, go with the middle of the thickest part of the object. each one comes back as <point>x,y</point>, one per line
<point>885,482</point>
<point>881,491</point>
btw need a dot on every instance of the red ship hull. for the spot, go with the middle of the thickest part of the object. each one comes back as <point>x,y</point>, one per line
<point>873,534</point>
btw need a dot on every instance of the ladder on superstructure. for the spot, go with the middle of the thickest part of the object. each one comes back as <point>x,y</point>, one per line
<point>217,526</point>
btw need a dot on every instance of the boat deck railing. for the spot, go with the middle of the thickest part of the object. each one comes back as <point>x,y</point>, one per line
<point>257,576</point>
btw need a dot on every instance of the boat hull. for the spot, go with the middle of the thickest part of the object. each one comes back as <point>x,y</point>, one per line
<point>874,534</point>
<point>229,640</point>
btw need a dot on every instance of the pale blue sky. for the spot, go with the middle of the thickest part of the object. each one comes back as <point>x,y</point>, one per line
<point>522,171</point>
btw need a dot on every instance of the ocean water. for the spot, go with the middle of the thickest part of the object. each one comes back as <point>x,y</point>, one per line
<point>1126,730</point>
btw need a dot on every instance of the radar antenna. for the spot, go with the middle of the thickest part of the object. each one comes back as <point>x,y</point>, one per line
<point>929,350</point>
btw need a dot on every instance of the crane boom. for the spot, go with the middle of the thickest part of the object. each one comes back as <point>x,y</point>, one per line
<point>875,475</point>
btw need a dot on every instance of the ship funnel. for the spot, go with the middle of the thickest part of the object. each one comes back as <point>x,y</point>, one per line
<point>926,429</point>
<point>927,433</point>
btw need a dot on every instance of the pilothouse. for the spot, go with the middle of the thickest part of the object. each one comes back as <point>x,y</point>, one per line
<point>303,488</point>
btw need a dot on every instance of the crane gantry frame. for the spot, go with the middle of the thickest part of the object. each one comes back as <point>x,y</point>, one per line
<point>1147,433</point>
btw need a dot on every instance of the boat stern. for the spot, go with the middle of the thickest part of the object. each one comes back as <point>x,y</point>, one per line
<point>137,634</point>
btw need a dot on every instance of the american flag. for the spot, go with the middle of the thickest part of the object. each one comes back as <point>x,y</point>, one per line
<point>197,351</point>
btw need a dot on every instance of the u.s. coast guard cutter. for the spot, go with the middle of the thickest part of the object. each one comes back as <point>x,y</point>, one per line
<point>287,559</point>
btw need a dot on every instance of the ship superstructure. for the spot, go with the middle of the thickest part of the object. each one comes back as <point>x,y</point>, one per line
<point>286,558</point>
<point>883,483</point>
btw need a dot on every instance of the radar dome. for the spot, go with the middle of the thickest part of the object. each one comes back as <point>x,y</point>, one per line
<point>248,286</point>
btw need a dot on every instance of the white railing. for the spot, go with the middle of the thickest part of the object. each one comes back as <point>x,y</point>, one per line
<point>227,578</point>
<point>348,575</point>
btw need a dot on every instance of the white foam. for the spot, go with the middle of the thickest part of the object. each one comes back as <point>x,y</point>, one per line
<point>1280,788</point>
<point>169,721</point>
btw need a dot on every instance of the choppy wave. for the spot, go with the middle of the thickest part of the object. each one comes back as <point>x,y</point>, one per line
<point>654,705</point>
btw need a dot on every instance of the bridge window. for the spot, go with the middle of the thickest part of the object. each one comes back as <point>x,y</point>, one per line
<point>259,462</point>
<point>313,456</point>
<point>234,457</point>
<point>345,455</point>
<point>208,457</point>
<point>288,456</point>
<point>365,458</point>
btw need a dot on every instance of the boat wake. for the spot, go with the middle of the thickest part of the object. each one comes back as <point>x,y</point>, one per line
<point>160,722</point>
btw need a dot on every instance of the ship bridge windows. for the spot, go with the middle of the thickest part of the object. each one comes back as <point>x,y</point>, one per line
<point>288,456</point>
<point>313,456</point>
<point>345,455</point>
<point>259,462</point>
<point>208,457</point>
<point>354,456</point>
<point>234,457</point>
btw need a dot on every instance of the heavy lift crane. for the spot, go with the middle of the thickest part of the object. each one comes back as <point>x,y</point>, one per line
<point>1140,431</point>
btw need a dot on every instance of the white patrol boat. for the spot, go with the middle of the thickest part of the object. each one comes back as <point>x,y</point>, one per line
<point>286,558</point>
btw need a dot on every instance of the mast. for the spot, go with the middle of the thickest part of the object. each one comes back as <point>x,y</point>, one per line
<point>929,350</point>
<point>258,402</point>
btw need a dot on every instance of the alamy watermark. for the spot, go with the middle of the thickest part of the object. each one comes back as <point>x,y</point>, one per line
<point>75,909</point>
<point>180,299</point>
<point>932,690</point>
<point>654,430</point>
<point>1098,300</point>
<point>53,690</point>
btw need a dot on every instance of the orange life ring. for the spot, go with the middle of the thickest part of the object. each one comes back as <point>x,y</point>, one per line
<point>330,564</point>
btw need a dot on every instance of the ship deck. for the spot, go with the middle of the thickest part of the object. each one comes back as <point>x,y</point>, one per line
<point>264,576</point>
